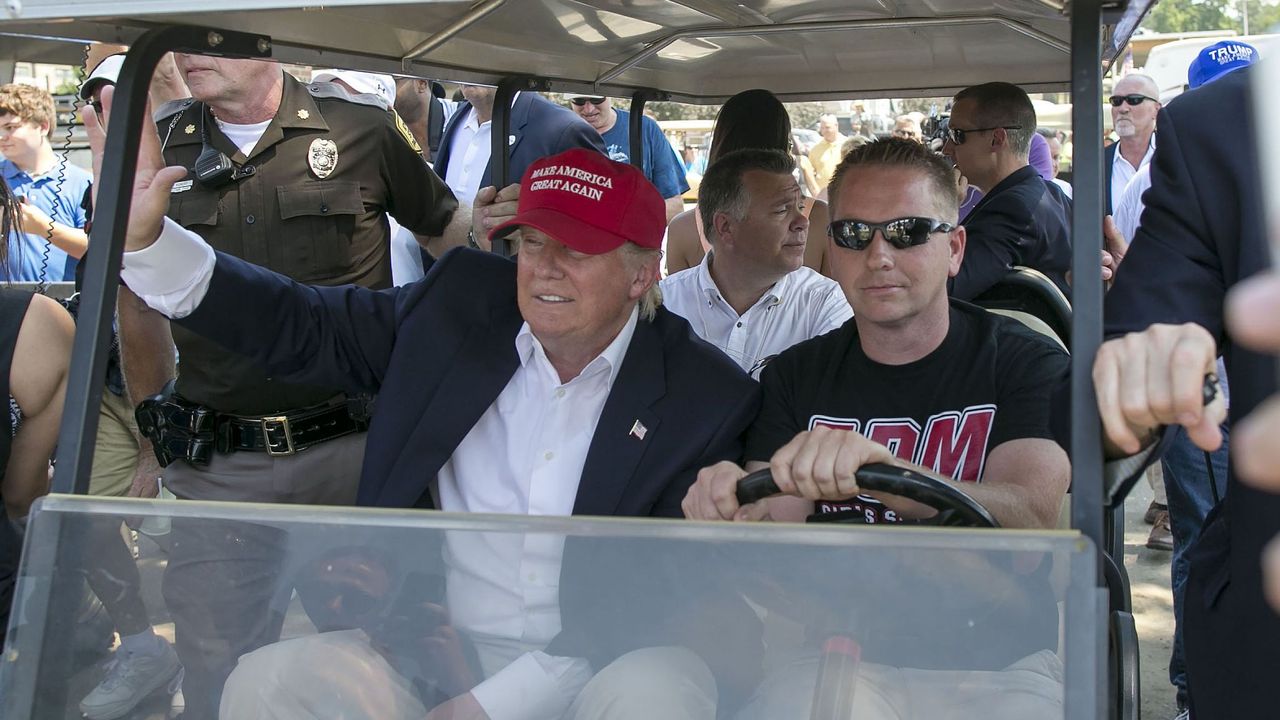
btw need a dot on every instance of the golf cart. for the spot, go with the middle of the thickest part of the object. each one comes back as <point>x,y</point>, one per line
<point>962,621</point>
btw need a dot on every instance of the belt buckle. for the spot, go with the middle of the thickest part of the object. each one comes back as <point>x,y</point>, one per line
<point>278,424</point>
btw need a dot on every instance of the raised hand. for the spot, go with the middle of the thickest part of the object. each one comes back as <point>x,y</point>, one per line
<point>152,183</point>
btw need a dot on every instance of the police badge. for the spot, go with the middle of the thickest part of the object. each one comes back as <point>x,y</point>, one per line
<point>322,157</point>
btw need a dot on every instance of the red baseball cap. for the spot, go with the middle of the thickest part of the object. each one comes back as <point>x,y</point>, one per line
<point>589,202</point>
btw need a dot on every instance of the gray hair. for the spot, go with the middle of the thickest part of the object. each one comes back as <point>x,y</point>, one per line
<point>722,190</point>
<point>652,298</point>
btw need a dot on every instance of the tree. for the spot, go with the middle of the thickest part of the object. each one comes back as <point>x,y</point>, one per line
<point>804,114</point>
<point>1263,18</point>
<point>1173,16</point>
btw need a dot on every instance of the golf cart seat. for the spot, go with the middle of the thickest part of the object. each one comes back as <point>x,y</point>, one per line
<point>1030,296</point>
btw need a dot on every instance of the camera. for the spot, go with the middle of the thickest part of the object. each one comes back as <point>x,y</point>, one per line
<point>935,128</point>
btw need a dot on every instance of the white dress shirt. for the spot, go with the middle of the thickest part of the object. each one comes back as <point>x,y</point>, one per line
<point>525,456</point>
<point>1122,172</point>
<point>803,304</point>
<point>1128,212</point>
<point>469,150</point>
<point>406,255</point>
<point>468,157</point>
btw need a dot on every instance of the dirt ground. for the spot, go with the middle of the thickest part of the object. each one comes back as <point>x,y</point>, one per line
<point>1152,608</point>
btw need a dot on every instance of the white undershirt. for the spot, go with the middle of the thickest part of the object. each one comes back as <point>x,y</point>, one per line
<point>245,137</point>
<point>802,305</point>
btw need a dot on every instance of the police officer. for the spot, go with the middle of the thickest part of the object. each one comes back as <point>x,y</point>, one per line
<point>299,179</point>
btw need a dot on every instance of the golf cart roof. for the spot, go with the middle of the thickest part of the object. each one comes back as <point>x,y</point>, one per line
<point>692,49</point>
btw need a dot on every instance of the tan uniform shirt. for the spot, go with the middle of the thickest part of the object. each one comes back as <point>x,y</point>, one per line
<point>310,202</point>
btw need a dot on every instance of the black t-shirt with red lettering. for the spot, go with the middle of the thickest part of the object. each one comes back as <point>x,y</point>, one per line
<point>988,383</point>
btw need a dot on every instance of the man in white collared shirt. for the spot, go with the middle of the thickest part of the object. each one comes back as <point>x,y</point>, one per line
<point>752,296</point>
<point>578,394</point>
<point>1134,105</point>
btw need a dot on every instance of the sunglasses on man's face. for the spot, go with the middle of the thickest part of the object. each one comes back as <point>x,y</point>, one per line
<point>902,233</point>
<point>958,136</point>
<point>349,600</point>
<point>1135,99</point>
<point>584,100</point>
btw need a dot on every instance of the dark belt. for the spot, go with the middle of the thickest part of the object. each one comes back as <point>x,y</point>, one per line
<point>179,429</point>
<point>286,434</point>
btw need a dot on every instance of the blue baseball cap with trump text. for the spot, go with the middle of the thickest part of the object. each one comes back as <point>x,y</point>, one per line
<point>1219,59</point>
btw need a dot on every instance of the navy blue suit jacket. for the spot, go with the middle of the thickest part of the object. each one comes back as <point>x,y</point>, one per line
<point>439,351</point>
<point>539,128</point>
<point>1024,220</point>
<point>1202,232</point>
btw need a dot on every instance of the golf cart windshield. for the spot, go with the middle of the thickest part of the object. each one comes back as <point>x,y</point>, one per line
<point>385,614</point>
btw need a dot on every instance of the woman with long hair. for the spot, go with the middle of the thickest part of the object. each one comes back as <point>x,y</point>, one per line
<point>753,119</point>
<point>35,351</point>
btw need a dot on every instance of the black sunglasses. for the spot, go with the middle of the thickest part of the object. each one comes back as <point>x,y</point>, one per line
<point>902,233</point>
<point>1135,99</point>
<point>580,101</point>
<point>353,601</point>
<point>957,136</point>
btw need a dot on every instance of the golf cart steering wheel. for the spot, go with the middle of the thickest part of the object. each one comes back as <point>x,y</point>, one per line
<point>955,508</point>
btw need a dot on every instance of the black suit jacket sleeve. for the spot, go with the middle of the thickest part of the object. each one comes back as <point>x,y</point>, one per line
<point>1173,272</point>
<point>1023,220</point>
<point>996,239</point>
<point>338,337</point>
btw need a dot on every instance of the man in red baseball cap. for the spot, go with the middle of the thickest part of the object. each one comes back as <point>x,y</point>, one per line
<point>554,385</point>
<point>589,234</point>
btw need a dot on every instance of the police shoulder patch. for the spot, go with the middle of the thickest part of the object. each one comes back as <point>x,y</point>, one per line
<point>405,133</point>
<point>334,91</point>
<point>171,108</point>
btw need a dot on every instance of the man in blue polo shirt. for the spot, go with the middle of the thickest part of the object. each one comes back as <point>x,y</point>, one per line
<point>51,240</point>
<point>661,165</point>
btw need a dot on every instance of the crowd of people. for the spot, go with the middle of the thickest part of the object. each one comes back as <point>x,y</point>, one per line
<point>346,338</point>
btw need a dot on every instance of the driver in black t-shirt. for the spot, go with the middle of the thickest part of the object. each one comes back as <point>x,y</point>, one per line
<point>939,386</point>
<point>914,379</point>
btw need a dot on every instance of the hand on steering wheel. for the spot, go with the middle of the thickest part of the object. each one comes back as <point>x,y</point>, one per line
<point>954,507</point>
<point>827,464</point>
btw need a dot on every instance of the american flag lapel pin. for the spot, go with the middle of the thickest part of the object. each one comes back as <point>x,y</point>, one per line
<point>638,430</point>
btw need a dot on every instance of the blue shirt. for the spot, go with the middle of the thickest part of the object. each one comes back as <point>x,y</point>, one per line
<point>661,165</point>
<point>60,194</point>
